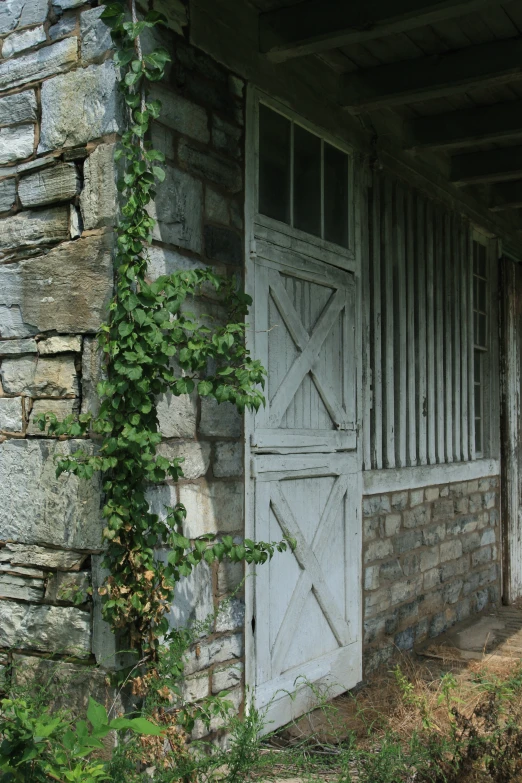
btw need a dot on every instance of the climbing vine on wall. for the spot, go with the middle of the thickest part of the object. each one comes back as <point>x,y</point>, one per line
<point>154,343</point>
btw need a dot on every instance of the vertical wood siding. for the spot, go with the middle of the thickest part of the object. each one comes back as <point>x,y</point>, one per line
<point>418,310</point>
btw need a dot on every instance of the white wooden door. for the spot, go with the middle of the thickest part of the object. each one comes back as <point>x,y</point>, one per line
<point>306,483</point>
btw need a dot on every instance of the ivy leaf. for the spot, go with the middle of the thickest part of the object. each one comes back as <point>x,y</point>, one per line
<point>205,388</point>
<point>96,714</point>
<point>158,173</point>
<point>158,58</point>
<point>125,328</point>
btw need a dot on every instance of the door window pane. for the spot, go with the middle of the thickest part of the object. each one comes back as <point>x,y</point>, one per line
<point>274,165</point>
<point>307,181</point>
<point>335,195</point>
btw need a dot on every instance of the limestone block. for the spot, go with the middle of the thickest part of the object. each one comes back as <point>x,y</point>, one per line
<point>377,550</point>
<point>429,558</point>
<point>45,62</point>
<point>450,550</point>
<point>68,588</point>
<point>104,641</point>
<point>193,602</point>
<point>17,42</point>
<point>95,90</point>
<point>226,137</point>
<point>418,516</point>
<point>178,210</point>
<point>20,588</point>
<point>99,197</point>
<point>212,507</point>
<point>63,27</point>
<point>160,496</point>
<point>59,183</point>
<point>32,228</point>
<point>60,344</point>
<point>177,415</point>
<point>16,556</point>
<point>196,456</point>
<point>216,207</point>
<point>92,374</point>
<point>166,262</point>
<point>228,460</point>
<point>67,290</point>
<point>16,570</point>
<point>11,417</point>
<point>195,688</point>
<point>229,577</point>
<point>69,685</point>
<point>230,615</point>
<point>392,524</point>
<point>227,677</point>
<point>182,115</point>
<point>7,194</point>
<point>376,504</point>
<point>220,419</point>
<point>371,577</point>
<point>22,13</point>
<point>95,35</point>
<point>17,347</point>
<point>38,508</point>
<point>60,408</point>
<point>224,648</point>
<point>54,377</point>
<point>63,5</point>
<point>407,541</point>
<point>16,143</point>
<point>399,501</point>
<point>212,166</point>
<point>20,107</point>
<point>59,629</point>
<point>223,245</point>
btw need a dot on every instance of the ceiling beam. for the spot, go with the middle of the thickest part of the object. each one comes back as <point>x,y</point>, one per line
<point>482,167</point>
<point>498,62</point>
<point>318,25</point>
<point>466,128</point>
<point>507,195</point>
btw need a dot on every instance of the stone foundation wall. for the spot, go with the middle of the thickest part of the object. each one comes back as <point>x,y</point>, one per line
<point>431,558</point>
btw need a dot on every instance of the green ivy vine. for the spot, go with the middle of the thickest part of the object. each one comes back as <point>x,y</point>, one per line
<point>154,344</point>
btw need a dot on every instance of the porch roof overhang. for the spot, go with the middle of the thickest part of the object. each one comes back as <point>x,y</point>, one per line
<point>448,73</point>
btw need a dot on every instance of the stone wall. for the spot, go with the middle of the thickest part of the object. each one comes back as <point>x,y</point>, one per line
<point>59,116</point>
<point>431,558</point>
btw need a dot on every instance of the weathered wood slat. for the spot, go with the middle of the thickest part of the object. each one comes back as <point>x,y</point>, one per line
<point>432,77</point>
<point>420,259</point>
<point>457,367</point>
<point>439,334</point>
<point>389,418</point>
<point>364,199</point>
<point>471,390</point>
<point>449,294</point>
<point>430,335</point>
<point>465,343</point>
<point>411,336</point>
<point>402,353</point>
<point>495,165</point>
<point>377,315</point>
<point>319,25</point>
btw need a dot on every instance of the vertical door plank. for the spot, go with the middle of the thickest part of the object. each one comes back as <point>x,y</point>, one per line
<point>471,339</point>
<point>412,337</point>
<point>421,350</point>
<point>464,342</point>
<point>448,294</point>
<point>389,386</point>
<point>439,332</point>
<point>367,348</point>
<point>377,323</point>
<point>262,585</point>
<point>430,334</point>
<point>402,355</point>
<point>457,445</point>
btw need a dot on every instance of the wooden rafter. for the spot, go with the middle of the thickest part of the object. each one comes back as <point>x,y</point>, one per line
<point>507,195</point>
<point>482,167</point>
<point>467,128</point>
<point>318,25</point>
<point>498,62</point>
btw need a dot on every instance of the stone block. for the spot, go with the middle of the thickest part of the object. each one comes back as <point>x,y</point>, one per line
<point>32,228</point>
<point>463,525</point>
<point>223,245</point>
<point>461,505</point>
<point>57,629</point>
<point>399,501</point>
<point>212,507</point>
<point>475,503</point>
<point>63,5</point>
<point>220,420</point>
<point>93,371</point>
<point>418,516</point>
<point>481,600</point>
<point>220,650</point>
<point>195,456</point>
<point>195,688</point>
<point>17,347</point>
<point>38,508</point>
<point>487,483</point>
<point>57,183</point>
<point>377,602</point>
<point>95,35</point>
<point>392,524</point>
<point>378,550</point>
<point>373,527</point>
<point>376,504</point>
<point>94,87</point>
<point>230,615</point>
<point>177,415</point>
<point>390,571</point>
<point>405,639</point>
<point>430,558</point>
<point>45,62</point>
<point>18,108</point>
<point>490,500</point>
<point>193,602</point>
<point>22,13</point>
<point>431,494</point>
<point>227,137</point>
<point>67,290</point>
<point>211,166</point>
<point>22,559</point>
<point>18,42</point>
<point>165,262</point>
<point>471,583</point>
<point>70,588</point>
<point>60,408</point>
<point>431,578</point>
<point>228,460</point>
<point>60,344</point>
<point>406,590</point>
<point>373,629</point>
<point>458,489</point>
<point>416,497</point>
<point>454,568</point>
<point>407,541</point>
<point>54,377</point>
<point>20,588</point>
<point>442,510</point>
<point>178,210</point>
<point>63,27</point>
<point>409,612</point>
<point>444,491</point>
<point>182,115</point>
<point>481,556</point>
<point>226,677</point>
<point>216,207</point>
<point>11,414</point>
<point>470,542</point>
<point>99,197</point>
<point>451,591</point>
<point>451,550</point>
<point>488,537</point>
<point>411,563</point>
<point>463,609</point>
<point>229,577</point>
<point>236,213</point>
<point>7,194</point>
<point>433,534</point>
<point>489,575</point>
<point>16,143</point>
<point>371,577</point>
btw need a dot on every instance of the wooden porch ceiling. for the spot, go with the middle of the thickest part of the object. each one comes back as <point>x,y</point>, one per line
<point>450,69</point>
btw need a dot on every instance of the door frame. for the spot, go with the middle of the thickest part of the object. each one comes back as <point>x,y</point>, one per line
<point>351,262</point>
